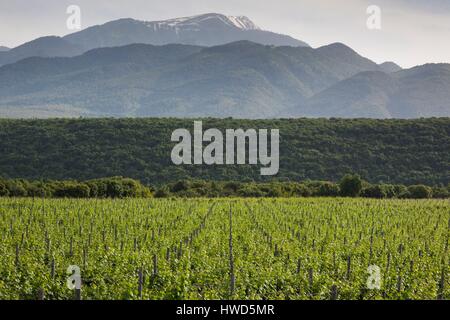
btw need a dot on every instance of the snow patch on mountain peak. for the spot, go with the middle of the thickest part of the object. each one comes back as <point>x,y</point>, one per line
<point>242,22</point>
<point>194,22</point>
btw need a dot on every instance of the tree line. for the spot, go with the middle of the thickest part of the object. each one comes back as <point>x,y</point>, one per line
<point>115,187</point>
<point>351,185</point>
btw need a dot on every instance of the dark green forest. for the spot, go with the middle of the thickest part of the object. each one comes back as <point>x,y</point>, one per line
<point>405,152</point>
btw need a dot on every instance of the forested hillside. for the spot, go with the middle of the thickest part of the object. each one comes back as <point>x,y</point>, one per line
<point>381,151</point>
<point>241,80</point>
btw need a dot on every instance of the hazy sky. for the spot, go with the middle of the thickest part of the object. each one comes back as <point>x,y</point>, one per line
<point>413,31</point>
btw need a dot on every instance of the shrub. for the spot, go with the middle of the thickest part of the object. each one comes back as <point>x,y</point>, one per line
<point>375,191</point>
<point>419,192</point>
<point>440,193</point>
<point>3,189</point>
<point>179,186</point>
<point>350,185</point>
<point>162,192</point>
<point>72,190</point>
<point>16,188</point>
<point>327,189</point>
<point>301,190</point>
<point>37,190</point>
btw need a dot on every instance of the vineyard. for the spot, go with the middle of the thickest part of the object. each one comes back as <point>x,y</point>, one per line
<point>315,248</point>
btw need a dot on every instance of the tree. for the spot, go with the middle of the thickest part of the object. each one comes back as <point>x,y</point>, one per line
<point>301,190</point>
<point>440,192</point>
<point>375,191</point>
<point>16,188</point>
<point>3,189</point>
<point>400,190</point>
<point>162,192</point>
<point>72,189</point>
<point>350,185</point>
<point>36,190</point>
<point>420,192</point>
<point>328,189</point>
<point>114,188</point>
<point>179,186</point>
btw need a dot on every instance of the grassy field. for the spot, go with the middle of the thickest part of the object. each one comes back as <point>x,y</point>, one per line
<point>187,249</point>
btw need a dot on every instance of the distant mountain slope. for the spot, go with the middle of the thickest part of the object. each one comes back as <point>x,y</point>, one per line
<point>41,47</point>
<point>346,55</point>
<point>364,95</point>
<point>204,30</point>
<point>3,49</point>
<point>241,79</point>
<point>390,67</point>
<point>423,91</point>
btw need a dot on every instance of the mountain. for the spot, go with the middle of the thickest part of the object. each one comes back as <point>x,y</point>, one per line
<point>423,91</point>
<point>3,49</point>
<point>41,47</point>
<point>390,67</point>
<point>204,30</point>
<point>364,95</point>
<point>240,79</point>
<point>347,56</point>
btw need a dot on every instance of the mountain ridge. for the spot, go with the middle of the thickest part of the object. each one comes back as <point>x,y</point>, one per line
<point>209,29</point>
<point>422,91</point>
<point>240,79</point>
<point>204,30</point>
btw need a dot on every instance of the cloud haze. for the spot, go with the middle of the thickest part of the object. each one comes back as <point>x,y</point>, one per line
<point>413,31</point>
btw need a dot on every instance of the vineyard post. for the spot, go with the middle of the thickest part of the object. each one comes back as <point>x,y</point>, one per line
<point>311,279</point>
<point>349,267</point>
<point>17,261</point>
<point>155,265</point>
<point>334,292</point>
<point>440,295</point>
<point>388,262</point>
<point>232,276</point>
<point>48,244</point>
<point>52,269</point>
<point>168,254</point>
<point>180,250</point>
<point>371,247</point>
<point>411,266</point>
<point>399,283</point>
<point>41,294</point>
<point>299,265</point>
<point>84,257</point>
<point>140,282</point>
<point>77,294</point>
